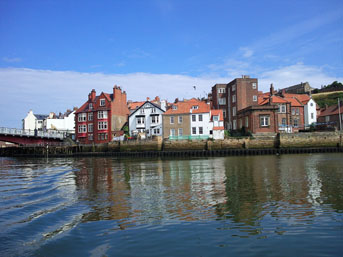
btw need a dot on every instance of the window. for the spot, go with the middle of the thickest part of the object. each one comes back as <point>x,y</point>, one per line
<point>91,106</point>
<point>215,118</point>
<point>172,132</point>
<point>140,120</point>
<point>90,116</point>
<point>233,98</point>
<point>293,111</point>
<point>282,108</point>
<point>194,130</point>
<point>224,113</point>
<point>222,101</point>
<point>327,118</point>
<point>264,120</point>
<point>233,111</point>
<point>254,85</point>
<point>297,111</point>
<point>194,118</point>
<point>153,110</point>
<point>311,104</point>
<point>195,107</point>
<point>295,123</point>
<point>154,119</point>
<point>102,102</point>
<point>221,90</point>
<point>102,125</point>
<point>283,122</point>
<point>90,127</point>
<point>82,129</point>
<point>234,125</point>
<point>200,117</point>
<point>234,87</point>
<point>201,131</point>
<point>90,137</point>
<point>180,119</point>
<point>82,117</point>
<point>254,98</point>
<point>102,136</point>
<point>246,121</point>
<point>312,115</point>
<point>172,120</point>
<point>156,131</point>
<point>180,132</point>
<point>174,107</point>
<point>142,111</point>
<point>102,114</point>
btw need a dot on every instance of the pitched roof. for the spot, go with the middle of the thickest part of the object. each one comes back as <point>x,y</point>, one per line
<point>332,110</point>
<point>186,106</point>
<point>294,101</point>
<point>217,112</point>
<point>41,116</point>
<point>303,98</point>
<point>157,106</point>
<point>135,105</point>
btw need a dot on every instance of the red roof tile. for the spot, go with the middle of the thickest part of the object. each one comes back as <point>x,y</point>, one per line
<point>217,112</point>
<point>186,106</point>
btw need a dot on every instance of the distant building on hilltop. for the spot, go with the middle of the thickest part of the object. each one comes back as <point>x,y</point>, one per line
<point>302,88</point>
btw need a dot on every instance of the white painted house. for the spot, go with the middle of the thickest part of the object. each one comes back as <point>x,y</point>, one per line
<point>147,118</point>
<point>217,124</point>
<point>64,123</point>
<point>310,112</point>
<point>200,121</point>
<point>34,121</point>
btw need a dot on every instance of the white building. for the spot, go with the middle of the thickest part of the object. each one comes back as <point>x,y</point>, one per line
<point>310,112</point>
<point>64,123</point>
<point>200,121</point>
<point>147,118</point>
<point>34,121</point>
<point>217,124</point>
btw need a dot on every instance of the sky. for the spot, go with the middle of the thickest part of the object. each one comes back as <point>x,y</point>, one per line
<point>54,52</point>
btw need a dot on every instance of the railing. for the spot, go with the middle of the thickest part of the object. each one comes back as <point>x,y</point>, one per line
<point>28,132</point>
<point>188,137</point>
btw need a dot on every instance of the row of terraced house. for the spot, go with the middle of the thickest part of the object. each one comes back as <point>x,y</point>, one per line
<point>233,106</point>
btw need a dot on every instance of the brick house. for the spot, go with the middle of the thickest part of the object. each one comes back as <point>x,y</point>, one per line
<point>332,116</point>
<point>102,117</point>
<point>219,99</point>
<point>240,94</point>
<point>188,118</point>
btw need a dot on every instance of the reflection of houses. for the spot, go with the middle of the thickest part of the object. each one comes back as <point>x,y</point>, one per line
<point>187,119</point>
<point>146,118</point>
<point>34,121</point>
<point>102,117</point>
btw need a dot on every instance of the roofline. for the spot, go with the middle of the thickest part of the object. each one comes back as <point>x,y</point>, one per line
<point>145,103</point>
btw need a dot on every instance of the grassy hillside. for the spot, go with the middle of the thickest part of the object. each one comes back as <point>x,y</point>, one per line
<point>329,98</point>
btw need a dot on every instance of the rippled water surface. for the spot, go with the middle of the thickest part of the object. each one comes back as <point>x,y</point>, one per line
<point>289,205</point>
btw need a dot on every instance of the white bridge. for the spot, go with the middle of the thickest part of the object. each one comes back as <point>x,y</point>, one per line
<point>32,133</point>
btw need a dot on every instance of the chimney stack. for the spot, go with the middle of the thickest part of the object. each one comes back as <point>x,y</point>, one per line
<point>271,89</point>
<point>92,95</point>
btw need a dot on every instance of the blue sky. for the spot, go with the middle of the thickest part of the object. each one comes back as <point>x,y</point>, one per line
<point>52,53</point>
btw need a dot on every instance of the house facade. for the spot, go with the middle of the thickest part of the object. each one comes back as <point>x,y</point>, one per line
<point>219,99</point>
<point>64,122</point>
<point>147,118</point>
<point>102,117</point>
<point>241,93</point>
<point>217,124</point>
<point>34,121</point>
<point>187,119</point>
<point>332,116</point>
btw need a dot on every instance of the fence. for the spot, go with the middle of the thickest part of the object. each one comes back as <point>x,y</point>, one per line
<point>27,132</point>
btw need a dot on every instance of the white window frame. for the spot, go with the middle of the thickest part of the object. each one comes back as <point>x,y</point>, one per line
<point>81,117</point>
<point>234,87</point>
<point>171,119</point>
<point>82,128</point>
<point>234,112</point>
<point>102,102</point>
<point>102,125</point>
<point>90,127</point>
<point>254,85</point>
<point>264,120</point>
<point>90,116</point>
<point>140,120</point>
<point>254,98</point>
<point>172,132</point>
<point>233,98</point>
<point>102,115</point>
<point>180,132</point>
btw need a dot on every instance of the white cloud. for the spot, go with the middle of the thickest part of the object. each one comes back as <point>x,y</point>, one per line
<point>246,52</point>
<point>44,91</point>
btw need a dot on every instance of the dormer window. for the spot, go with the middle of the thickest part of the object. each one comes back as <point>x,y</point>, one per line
<point>102,102</point>
<point>91,106</point>
<point>195,107</point>
<point>174,107</point>
<point>142,111</point>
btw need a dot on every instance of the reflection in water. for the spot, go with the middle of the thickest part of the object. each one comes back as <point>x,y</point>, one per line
<point>55,202</point>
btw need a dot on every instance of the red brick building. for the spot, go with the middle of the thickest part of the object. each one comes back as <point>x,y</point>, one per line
<point>241,93</point>
<point>332,116</point>
<point>219,99</point>
<point>102,117</point>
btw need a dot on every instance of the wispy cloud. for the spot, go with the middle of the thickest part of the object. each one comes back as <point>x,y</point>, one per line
<point>11,60</point>
<point>45,90</point>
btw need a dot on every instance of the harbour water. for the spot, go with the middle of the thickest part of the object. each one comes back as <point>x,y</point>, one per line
<point>286,205</point>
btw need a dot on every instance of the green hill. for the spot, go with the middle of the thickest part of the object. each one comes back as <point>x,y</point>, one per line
<point>329,98</point>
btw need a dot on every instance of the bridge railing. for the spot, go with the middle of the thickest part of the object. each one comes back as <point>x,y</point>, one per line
<point>27,132</point>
